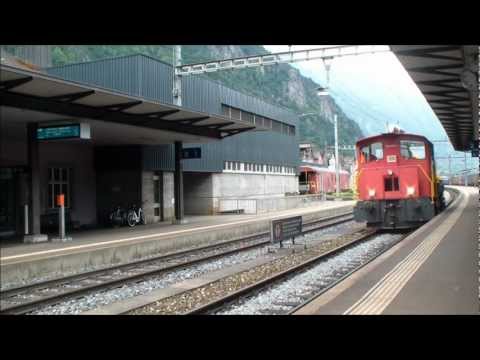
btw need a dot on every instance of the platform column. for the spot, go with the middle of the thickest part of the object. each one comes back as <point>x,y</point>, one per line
<point>34,187</point>
<point>178,184</point>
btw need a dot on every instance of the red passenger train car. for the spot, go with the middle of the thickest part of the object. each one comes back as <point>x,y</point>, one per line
<point>396,181</point>
<point>318,180</point>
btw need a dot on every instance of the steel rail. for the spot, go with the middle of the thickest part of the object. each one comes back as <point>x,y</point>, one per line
<point>339,280</point>
<point>13,291</point>
<point>454,195</point>
<point>221,302</point>
<point>28,306</point>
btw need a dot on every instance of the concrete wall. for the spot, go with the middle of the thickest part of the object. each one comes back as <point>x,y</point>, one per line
<point>253,185</point>
<point>78,157</point>
<point>148,193</point>
<point>168,196</point>
<point>198,189</point>
<point>148,196</point>
<point>203,192</point>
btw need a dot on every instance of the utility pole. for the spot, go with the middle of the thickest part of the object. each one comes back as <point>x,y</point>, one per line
<point>178,173</point>
<point>337,164</point>
<point>177,78</point>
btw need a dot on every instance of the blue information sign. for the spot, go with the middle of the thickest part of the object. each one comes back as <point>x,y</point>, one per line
<point>59,132</point>
<point>192,153</point>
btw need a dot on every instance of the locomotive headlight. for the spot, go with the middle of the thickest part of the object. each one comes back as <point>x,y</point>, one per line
<point>410,190</point>
<point>371,192</point>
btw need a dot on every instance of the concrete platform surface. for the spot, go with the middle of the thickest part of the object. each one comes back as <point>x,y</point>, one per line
<point>103,247</point>
<point>433,271</point>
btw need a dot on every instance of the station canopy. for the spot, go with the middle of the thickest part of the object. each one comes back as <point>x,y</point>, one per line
<point>37,92</point>
<point>447,75</point>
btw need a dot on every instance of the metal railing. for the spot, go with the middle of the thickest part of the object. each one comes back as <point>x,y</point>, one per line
<point>244,206</point>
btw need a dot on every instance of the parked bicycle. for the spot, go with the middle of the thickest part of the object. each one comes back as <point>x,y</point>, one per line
<point>117,217</point>
<point>130,217</point>
<point>135,216</point>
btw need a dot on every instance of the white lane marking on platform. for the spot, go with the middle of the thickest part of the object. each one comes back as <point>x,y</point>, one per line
<point>391,285</point>
<point>102,244</point>
<point>376,300</point>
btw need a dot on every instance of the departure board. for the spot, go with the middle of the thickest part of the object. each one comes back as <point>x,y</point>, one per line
<point>58,132</point>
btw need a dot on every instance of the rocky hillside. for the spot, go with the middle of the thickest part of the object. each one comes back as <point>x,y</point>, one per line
<point>281,84</point>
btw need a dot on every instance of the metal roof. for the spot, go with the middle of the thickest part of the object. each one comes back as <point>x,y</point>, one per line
<point>402,135</point>
<point>447,75</point>
<point>40,92</point>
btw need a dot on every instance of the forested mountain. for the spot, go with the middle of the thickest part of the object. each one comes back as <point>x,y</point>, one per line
<point>280,84</point>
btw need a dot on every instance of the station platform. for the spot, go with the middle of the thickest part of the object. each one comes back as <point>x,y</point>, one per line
<point>20,263</point>
<point>434,271</point>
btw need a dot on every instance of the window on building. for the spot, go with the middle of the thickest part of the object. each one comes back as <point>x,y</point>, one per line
<point>226,110</point>
<point>246,116</point>
<point>58,183</point>
<point>267,123</point>
<point>156,188</point>
<point>235,114</point>
<point>276,126</point>
<point>410,149</point>
<point>258,120</point>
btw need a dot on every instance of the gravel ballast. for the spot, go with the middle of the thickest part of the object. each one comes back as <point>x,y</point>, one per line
<point>95,300</point>
<point>189,300</point>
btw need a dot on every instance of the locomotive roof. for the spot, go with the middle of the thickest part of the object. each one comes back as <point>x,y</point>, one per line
<point>389,135</point>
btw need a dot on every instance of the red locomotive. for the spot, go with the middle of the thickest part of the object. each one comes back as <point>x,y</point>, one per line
<point>396,181</point>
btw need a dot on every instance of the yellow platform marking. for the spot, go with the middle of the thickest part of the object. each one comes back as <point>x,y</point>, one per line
<point>376,300</point>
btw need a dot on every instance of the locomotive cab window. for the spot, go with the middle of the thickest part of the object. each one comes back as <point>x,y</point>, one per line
<point>410,149</point>
<point>371,152</point>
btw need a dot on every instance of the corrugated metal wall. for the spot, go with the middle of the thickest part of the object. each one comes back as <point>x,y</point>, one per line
<point>120,74</point>
<point>150,78</point>
<point>40,55</point>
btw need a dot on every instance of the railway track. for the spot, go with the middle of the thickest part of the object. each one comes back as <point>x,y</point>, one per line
<point>25,299</point>
<point>287,292</point>
<point>267,296</point>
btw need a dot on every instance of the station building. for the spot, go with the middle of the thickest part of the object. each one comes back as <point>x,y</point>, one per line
<point>249,148</point>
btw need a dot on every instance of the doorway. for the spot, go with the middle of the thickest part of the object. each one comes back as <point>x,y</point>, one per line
<point>8,203</point>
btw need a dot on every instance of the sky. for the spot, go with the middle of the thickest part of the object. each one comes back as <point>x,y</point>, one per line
<point>375,89</point>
